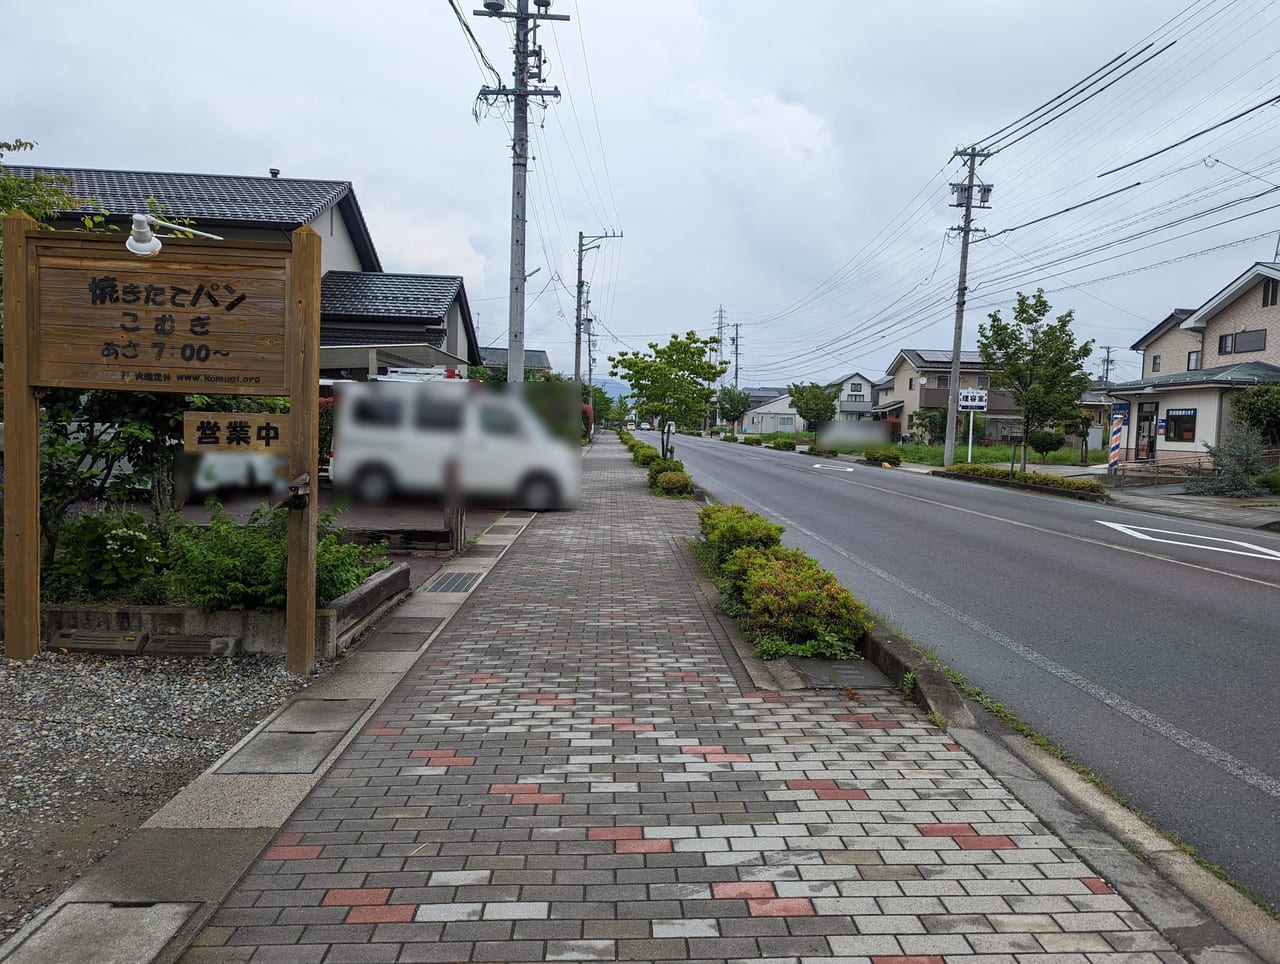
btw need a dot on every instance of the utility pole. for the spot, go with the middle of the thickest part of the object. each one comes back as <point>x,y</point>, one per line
<point>528,66</point>
<point>1106,365</point>
<point>586,242</point>
<point>964,199</point>
<point>737,341</point>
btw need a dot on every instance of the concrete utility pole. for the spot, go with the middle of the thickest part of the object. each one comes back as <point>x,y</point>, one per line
<point>964,199</point>
<point>586,242</point>
<point>737,342</point>
<point>528,66</point>
<point>1106,365</point>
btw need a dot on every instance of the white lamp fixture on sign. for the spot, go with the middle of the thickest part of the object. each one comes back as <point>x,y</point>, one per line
<point>143,242</point>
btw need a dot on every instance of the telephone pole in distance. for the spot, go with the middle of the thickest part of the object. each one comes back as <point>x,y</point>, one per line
<point>528,66</point>
<point>586,242</point>
<point>964,199</point>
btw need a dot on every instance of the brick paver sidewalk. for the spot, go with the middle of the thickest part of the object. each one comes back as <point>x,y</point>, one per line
<point>578,770</point>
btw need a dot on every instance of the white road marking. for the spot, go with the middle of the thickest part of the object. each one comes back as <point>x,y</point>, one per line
<point>838,468</point>
<point>1175,734</point>
<point>1141,532</point>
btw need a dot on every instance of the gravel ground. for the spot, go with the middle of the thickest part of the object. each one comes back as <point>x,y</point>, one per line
<point>90,746</point>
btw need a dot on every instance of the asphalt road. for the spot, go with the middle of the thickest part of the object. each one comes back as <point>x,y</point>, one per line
<point>1147,647</point>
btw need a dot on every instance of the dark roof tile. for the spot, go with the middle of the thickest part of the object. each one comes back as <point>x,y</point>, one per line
<point>359,294</point>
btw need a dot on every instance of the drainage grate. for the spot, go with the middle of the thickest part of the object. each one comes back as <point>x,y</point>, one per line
<point>454,582</point>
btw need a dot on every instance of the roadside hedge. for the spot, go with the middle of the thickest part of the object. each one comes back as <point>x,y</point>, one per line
<point>645,455</point>
<point>728,528</point>
<point>675,483</point>
<point>785,444</point>
<point>753,440</point>
<point>787,603</point>
<point>658,466</point>
<point>824,453</point>
<point>881,457</point>
<point>1029,478</point>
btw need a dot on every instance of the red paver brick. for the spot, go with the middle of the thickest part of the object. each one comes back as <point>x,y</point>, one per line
<point>781,907</point>
<point>615,833</point>
<point>839,794</point>
<point>953,747</point>
<point>536,799</point>
<point>811,784</point>
<point>743,889</point>
<point>288,839</point>
<point>385,914</point>
<point>945,829</point>
<point>1097,885</point>
<point>293,853</point>
<point>727,758</point>
<point>355,896</point>
<point>662,846</point>
<point>383,730</point>
<point>985,843</point>
<point>515,788</point>
<point>428,754</point>
<point>698,749</point>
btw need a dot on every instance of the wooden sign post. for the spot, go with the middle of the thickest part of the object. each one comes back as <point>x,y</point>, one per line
<point>220,318</point>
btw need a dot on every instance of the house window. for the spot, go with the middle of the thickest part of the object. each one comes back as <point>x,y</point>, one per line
<point>857,398</point>
<point>944,381</point>
<point>786,421</point>
<point>984,381</point>
<point>1180,425</point>
<point>1155,363</point>
<point>855,387</point>
<point>1194,361</point>
<point>1242,341</point>
<point>911,384</point>
<point>1270,292</point>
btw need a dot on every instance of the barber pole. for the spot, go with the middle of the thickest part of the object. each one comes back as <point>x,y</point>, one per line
<point>1117,429</point>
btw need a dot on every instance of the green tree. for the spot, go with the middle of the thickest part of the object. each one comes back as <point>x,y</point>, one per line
<point>1043,441</point>
<point>928,425</point>
<point>733,404</point>
<point>672,382</point>
<point>1237,461</point>
<point>601,403</point>
<point>1038,362</point>
<point>1259,407</point>
<point>814,403</point>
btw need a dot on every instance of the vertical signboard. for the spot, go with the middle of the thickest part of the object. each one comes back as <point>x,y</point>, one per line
<point>201,318</point>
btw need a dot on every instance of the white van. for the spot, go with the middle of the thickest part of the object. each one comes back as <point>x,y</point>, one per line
<point>399,438</point>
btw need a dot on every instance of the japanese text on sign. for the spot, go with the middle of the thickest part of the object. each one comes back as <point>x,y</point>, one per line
<point>235,432</point>
<point>153,328</point>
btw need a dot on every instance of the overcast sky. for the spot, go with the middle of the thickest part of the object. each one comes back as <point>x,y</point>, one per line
<point>787,161</point>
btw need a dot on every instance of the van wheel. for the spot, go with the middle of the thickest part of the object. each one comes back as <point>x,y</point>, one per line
<point>538,494</point>
<point>374,485</point>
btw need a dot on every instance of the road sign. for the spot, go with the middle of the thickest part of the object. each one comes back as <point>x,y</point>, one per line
<point>973,399</point>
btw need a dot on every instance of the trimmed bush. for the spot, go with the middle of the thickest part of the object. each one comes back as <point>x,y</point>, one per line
<point>659,466</point>
<point>1270,481</point>
<point>1043,441</point>
<point>881,457</point>
<point>824,453</point>
<point>645,456</point>
<point>795,603</point>
<point>1029,478</point>
<point>728,437</point>
<point>675,483</point>
<point>753,440</point>
<point>727,528</point>
<point>785,444</point>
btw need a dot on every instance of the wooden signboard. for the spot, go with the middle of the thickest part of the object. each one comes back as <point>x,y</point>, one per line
<point>203,317</point>
<point>199,319</point>
<point>235,432</point>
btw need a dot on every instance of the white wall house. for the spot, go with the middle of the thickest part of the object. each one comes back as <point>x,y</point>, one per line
<point>855,400</point>
<point>1194,361</point>
<point>778,415</point>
